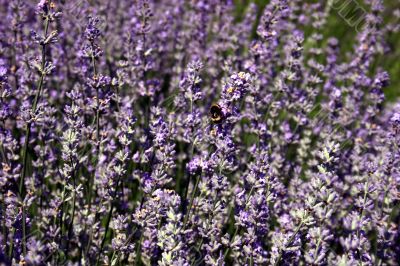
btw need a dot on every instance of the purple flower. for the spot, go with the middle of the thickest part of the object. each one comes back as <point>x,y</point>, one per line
<point>198,132</point>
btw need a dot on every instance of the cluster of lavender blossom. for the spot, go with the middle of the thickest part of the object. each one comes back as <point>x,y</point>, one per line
<point>110,154</point>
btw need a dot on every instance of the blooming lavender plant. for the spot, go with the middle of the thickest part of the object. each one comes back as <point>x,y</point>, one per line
<point>198,133</point>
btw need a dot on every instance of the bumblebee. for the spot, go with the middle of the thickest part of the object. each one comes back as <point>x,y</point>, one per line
<point>216,113</point>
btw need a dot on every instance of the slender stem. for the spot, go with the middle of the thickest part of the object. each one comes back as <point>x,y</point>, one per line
<point>363,209</point>
<point>184,205</point>
<point>62,213</point>
<point>113,256</point>
<point>23,229</point>
<point>4,228</point>
<point>91,230</point>
<point>144,71</point>
<point>189,178</point>
<point>207,228</point>
<point>316,248</point>
<point>14,59</point>
<point>3,198</point>
<point>97,118</point>
<point>105,232</point>
<point>288,243</point>
<point>28,127</point>
<point>3,154</point>
<point>72,216</point>
<point>125,244</point>
<point>70,226</point>
<point>27,136</point>
<point>108,222</point>
<point>237,227</point>
<point>25,157</point>
<point>193,143</point>
<point>11,249</point>
<point>233,237</point>
<point>191,201</point>
<point>138,253</point>
<point>364,202</point>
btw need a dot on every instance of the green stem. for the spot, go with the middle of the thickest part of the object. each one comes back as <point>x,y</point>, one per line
<point>97,118</point>
<point>317,247</point>
<point>138,253</point>
<point>191,201</point>
<point>4,228</point>
<point>11,249</point>
<point>237,227</point>
<point>233,237</point>
<point>189,177</point>
<point>27,137</point>
<point>364,202</point>
<point>126,243</point>
<point>23,229</point>
<point>108,222</point>
<point>91,232</point>
<point>62,213</point>
<point>113,256</point>
<point>288,243</point>
<point>207,229</point>
<point>70,226</point>
<point>105,232</point>
<point>3,198</point>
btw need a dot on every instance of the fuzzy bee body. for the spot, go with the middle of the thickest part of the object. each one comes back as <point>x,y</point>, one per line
<point>216,113</point>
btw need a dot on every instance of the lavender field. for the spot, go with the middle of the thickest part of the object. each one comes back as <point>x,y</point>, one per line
<point>199,132</point>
